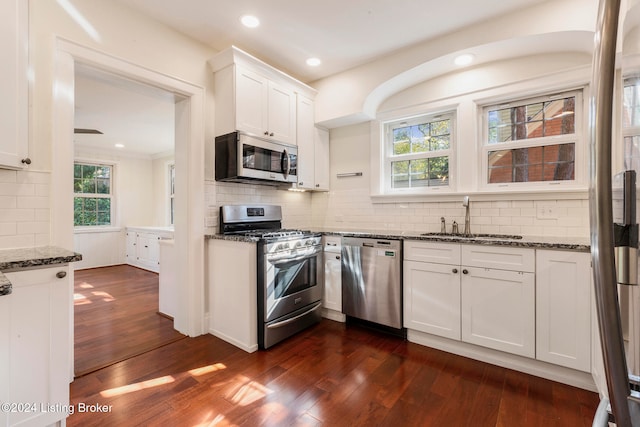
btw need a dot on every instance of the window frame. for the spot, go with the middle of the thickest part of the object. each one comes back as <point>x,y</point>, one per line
<point>387,128</point>
<point>110,195</point>
<point>578,138</point>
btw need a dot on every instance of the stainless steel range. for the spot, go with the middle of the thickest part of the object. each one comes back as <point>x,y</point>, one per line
<point>289,270</point>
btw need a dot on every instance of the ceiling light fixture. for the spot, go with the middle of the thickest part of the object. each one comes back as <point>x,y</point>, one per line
<point>464,59</point>
<point>250,21</point>
<point>313,62</point>
<point>119,145</point>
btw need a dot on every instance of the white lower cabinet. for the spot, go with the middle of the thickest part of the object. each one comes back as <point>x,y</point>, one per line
<point>143,247</point>
<point>332,273</point>
<point>563,308</point>
<point>432,298</point>
<point>498,309</point>
<point>35,355</point>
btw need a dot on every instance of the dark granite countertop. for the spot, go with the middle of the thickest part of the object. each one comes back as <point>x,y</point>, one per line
<point>21,258</point>
<point>535,242</point>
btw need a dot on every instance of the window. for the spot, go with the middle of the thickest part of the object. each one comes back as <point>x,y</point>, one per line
<point>92,187</point>
<point>172,187</point>
<point>533,140</point>
<point>418,152</point>
<point>631,122</point>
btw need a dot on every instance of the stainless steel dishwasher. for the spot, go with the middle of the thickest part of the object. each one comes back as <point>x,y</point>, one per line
<point>372,280</point>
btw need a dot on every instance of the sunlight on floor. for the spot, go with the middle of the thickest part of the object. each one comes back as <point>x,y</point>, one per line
<point>107,296</point>
<point>249,392</point>
<point>80,299</point>
<point>207,369</point>
<point>137,386</point>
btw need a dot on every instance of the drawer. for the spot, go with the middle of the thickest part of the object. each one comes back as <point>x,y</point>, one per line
<point>499,257</point>
<point>440,253</point>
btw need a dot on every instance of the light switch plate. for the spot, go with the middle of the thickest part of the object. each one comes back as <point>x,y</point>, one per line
<point>547,212</point>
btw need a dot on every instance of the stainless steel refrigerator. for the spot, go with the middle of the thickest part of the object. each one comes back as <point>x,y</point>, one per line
<point>613,215</point>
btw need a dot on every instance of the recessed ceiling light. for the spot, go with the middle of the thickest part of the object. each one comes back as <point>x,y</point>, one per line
<point>250,21</point>
<point>464,59</point>
<point>119,145</point>
<point>313,62</point>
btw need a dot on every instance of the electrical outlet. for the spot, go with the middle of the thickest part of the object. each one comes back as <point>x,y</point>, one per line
<point>547,212</point>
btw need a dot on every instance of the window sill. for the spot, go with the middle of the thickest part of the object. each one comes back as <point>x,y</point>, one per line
<point>576,193</point>
<point>97,229</point>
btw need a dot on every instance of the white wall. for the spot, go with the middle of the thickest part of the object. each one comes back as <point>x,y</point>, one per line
<point>161,201</point>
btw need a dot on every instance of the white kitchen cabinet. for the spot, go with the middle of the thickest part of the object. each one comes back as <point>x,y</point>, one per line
<point>14,144</point>
<point>563,308</point>
<point>305,135</point>
<point>255,97</point>
<point>332,278</point>
<point>263,107</point>
<point>431,285</point>
<point>233,307</point>
<point>143,246</point>
<point>432,298</point>
<point>321,159</point>
<point>313,149</point>
<point>35,355</point>
<point>498,309</point>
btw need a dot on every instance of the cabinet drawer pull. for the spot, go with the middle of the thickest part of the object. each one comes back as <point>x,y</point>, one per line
<point>61,274</point>
<point>271,134</point>
<point>465,271</point>
<point>454,271</point>
<point>337,256</point>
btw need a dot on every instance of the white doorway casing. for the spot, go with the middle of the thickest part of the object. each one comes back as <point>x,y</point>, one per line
<point>189,155</point>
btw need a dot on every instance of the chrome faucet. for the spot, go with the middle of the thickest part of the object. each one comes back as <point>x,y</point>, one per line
<point>443,225</point>
<point>467,217</point>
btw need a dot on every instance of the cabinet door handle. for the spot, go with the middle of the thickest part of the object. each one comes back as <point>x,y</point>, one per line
<point>465,271</point>
<point>61,274</point>
<point>454,271</point>
<point>26,161</point>
<point>317,185</point>
<point>146,246</point>
<point>337,256</point>
<point>271,134</point>
<point>301,183</point>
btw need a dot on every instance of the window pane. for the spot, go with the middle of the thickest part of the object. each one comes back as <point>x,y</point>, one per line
<point>102,186</point>
<point>632,152</point>
<point>535,120</point>
<point>439,171</point>
<point>420,138</point>
<point>533,164</point>
<point>400,174</point>
<point>90,180</point>
<point>631,102</point>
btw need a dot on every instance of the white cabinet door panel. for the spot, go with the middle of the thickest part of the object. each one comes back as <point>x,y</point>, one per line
<point>281,113</point>
<point>322,160</point>
<point>563,306</point>
<point>432,298</point>
<point>35,343</point>
<point>251,102</point>
<point>498,310</point>
<point>305,138</point>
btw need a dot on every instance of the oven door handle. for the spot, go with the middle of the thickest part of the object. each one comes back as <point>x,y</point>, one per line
<point>280,260</point>
<point>293,319</point>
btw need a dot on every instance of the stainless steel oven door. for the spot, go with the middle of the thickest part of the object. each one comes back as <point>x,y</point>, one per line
<point>292,279</point>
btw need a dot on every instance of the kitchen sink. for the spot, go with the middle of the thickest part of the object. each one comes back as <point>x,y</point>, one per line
<point>475,236</point>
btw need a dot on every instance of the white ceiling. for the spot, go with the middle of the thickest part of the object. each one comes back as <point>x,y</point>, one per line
<point>342,33</point>
<point>138,116</point>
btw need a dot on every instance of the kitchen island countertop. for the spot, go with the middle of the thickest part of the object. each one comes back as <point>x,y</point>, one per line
<point>21,258</point>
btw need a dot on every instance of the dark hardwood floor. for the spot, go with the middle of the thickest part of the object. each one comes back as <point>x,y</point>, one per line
<point>329,375</point>
<point>116,316</point>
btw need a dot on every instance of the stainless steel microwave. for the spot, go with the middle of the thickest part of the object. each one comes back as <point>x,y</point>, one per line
<point>245,158</point>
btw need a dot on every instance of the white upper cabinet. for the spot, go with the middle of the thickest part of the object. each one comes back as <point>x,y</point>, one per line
<point>313,149</point>
<point>254,97</point>
<point>14,84</point>
<point>321,166</point>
